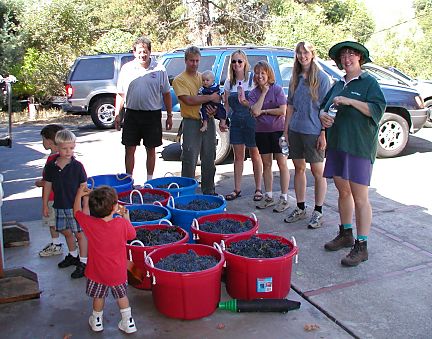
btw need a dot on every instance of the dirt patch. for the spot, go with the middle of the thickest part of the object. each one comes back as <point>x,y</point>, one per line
<point>44,117</point>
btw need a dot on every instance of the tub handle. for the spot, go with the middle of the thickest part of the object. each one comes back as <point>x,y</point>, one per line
<point>139,194</point>
<point>171,202</point>
<point>166,221</point>
<point>92,182</point>
<point>196,225</point>
<point>222,244</point>
<point>136,241</point>
<point>157,203</point>
<point>126,176</point>
<point>146,185</point>
<point>254,217</point>
<point>295,244</point>
<point>173,184</point>
<point>130,255</point>
<point>171,174</point>
<point>149,262</point>
<point>218,247</point>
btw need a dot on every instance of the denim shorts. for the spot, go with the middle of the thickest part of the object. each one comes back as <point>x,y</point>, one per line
<point>348,167</point>
<point>242,130</point>
<point>303,146</point>
<point>98,290</point>
<point>65,220</point>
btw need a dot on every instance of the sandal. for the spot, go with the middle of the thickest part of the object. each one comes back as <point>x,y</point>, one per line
<point>258,195</point>
<point>233,195</point>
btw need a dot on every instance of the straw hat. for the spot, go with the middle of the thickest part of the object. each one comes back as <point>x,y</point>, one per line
<point>335,51</point>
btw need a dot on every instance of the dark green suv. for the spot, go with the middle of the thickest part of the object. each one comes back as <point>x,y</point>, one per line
<point>405,112</point>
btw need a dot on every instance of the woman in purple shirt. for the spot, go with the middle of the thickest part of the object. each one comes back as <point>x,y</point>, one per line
<point>268,105</point>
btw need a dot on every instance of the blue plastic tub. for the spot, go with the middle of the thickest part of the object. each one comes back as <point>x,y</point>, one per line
<point>184,218</point>
<point>176,186</point>
<point>120,182</point>
<point>151,208</point>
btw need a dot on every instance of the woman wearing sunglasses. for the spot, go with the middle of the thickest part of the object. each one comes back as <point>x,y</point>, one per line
<point>242,125</point>
<point>351,146</point>
<point>268,105</point>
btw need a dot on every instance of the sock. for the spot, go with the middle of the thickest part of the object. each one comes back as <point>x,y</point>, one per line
<point>269,194</point>
<point>74,253</point>
<point>83,260</point>
<point>149,177</point>
<point>56,241</point>
<point>347,226</point>
<point>126,313</point>
<point>361,238</point>
<point>285,196</point>
<point>301,205</point>
<point>318,208</point>
<point>97,314</point>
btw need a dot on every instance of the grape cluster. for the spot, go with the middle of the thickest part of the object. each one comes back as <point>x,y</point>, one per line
<point>255,247</point>
<point>145,215</point>
<point>199,205</point>
<point>186,262</point>
<point>155,237</point>
<point>226,226</point>
<point>167,185</point>
<point>148,198</point>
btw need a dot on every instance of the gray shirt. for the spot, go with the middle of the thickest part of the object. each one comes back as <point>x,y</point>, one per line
<point>143,87</point>
<point>305,117</point>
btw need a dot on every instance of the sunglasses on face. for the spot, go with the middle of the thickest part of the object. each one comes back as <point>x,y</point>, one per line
<point>239,61</point>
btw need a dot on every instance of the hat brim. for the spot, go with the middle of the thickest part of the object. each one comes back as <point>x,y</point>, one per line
<point>335,50</point>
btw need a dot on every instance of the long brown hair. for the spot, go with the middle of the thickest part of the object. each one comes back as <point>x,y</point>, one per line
<point>231,73</point>
<point>312,79</point>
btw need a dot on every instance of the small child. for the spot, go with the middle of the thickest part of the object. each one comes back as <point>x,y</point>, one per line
<point>107,264</point>
<point>209,87</point>
<point>64,175</point>
<point>55,247</point>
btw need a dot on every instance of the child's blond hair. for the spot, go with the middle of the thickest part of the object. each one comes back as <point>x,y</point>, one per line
<point>208,74</point>
<point>64,136</point>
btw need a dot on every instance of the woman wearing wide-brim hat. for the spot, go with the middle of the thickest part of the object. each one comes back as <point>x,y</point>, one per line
<point>352,137</point>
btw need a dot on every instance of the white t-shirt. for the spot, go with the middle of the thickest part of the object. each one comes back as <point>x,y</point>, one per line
<point>247,86</point>
<point>143,87</point>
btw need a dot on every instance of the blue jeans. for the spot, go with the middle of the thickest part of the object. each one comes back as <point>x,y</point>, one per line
<point>197,143</point>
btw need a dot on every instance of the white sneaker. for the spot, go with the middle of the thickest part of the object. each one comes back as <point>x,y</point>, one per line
<point>315,221</point>
<point>51,249</point>
<point>127,325</point>
<point>96,323</point>
<point>265,202</point>
<point>295,215</point>
<point>281,206</point>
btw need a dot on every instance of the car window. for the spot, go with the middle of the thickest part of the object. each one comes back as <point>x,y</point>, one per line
<point>174,66</point>
<point>286,65</point>
<point>126,59</point>
<point>253,59</point>
<point>94,69</point>
<point>384,76</point>
<point>206,63</point>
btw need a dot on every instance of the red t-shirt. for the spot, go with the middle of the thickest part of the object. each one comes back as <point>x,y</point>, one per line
<point>107,261</point>
<point>51,157</point>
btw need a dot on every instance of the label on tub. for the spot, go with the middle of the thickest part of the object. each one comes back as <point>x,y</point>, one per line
<point>264,284</point>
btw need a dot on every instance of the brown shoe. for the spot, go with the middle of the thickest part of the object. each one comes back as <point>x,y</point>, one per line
<point>358,254</point>
<point>343,239</point>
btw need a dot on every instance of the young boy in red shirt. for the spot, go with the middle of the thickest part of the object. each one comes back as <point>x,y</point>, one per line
<point>107,263</point>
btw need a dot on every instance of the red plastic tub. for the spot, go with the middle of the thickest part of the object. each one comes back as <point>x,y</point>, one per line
<point>130,194</point>
<point>207,238</point>
<point>254,278</point>
<point>186,295</point>
<point>136,251</point>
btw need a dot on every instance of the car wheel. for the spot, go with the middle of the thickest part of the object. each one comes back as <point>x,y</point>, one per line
<point>102,112</point>
<point>223,147</point>
<point>392,135</point>
<point>428,104</point>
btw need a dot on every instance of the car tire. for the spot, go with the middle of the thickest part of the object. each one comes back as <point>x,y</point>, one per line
<point>428,104</point>
<point>102,112</point>
<point>392,135</point>
<point>223,147</point>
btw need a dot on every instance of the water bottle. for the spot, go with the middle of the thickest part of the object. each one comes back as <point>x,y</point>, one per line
<point>284,146</point>
<point>240,92</point>
<point>332,111</point>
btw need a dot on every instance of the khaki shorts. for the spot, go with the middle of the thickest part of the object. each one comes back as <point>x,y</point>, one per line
<point>50,220</point>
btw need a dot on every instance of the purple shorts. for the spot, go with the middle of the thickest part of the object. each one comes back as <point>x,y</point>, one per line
<point>348,167</point>
<point>97,290</point>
